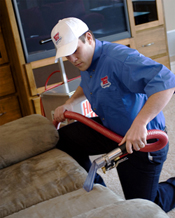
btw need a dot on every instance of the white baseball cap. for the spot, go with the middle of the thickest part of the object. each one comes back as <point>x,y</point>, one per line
<point>65,36</point>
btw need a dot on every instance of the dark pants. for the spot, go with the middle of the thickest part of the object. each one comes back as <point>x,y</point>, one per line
<point>139,175</point>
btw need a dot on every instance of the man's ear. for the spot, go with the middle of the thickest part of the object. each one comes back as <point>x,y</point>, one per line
<point>89,37</point>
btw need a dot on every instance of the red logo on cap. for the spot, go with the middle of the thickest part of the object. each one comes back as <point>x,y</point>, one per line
<point>56,37</point>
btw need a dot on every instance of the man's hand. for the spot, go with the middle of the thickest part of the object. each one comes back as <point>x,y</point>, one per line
<point>59,112</point>
<point>135,138</point>
<point>76,98</point>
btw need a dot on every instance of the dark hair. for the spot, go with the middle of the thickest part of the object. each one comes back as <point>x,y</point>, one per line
<point>82,37</point>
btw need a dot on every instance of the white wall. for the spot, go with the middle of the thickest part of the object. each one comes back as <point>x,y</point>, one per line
<point>169,11</point>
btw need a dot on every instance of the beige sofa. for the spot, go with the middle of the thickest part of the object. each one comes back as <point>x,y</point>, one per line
<point>39,181</point>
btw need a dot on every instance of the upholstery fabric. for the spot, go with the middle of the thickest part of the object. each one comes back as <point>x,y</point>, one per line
<point>25,138</point>
<point>136,208</point>
<point>38,179</point>
<point>71,204</point>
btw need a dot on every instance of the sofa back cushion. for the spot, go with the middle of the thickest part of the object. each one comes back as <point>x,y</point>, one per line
<point>37,179</point>
<point>25,138</point>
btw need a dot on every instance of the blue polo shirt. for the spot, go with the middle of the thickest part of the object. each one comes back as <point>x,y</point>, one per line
<point>118,83</point>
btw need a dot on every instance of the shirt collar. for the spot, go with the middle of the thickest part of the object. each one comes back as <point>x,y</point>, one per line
<point>97,53</point>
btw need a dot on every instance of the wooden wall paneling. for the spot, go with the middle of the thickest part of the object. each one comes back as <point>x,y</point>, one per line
<point>3,53</point>
<point>128,41</point>
<point>36,102</point>
<point>34,90</point>
<point>156,23</point>
<point>163,60</point>
<point>159,4</point>
<point>131,18</point>
<point>16,56</point>
<point>9,109</point>
<point>151,42</point>
<point>42,63</point>
<point>31,79</point>
<point>6,81</point>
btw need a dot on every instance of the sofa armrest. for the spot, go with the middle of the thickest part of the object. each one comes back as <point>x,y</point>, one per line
<point>25,138</point>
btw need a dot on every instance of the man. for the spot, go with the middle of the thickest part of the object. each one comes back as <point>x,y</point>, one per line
<point>128,92</point>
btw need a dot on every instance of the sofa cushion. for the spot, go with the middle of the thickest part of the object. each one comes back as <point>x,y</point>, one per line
<point>71,204</point>
<point>37,179</point>
<point>136,208</point>
<point>25,138</point>
<point>100,202</point>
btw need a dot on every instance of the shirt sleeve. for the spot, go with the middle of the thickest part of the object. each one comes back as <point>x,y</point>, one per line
<point>143,75</point>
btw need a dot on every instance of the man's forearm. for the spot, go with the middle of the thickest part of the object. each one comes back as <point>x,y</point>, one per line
<point>154,105</point>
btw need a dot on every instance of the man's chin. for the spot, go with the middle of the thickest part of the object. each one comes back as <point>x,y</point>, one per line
<point>82,68</point>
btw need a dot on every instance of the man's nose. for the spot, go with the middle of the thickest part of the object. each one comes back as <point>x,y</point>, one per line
<point>72,58</point>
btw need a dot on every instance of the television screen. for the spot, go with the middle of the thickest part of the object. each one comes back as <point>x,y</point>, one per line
<point>108,20</point>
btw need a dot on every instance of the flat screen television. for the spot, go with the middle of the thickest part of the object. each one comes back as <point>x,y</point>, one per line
<point>108,20</point>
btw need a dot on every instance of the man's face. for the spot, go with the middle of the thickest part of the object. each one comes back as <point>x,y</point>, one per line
<point>82,57</point>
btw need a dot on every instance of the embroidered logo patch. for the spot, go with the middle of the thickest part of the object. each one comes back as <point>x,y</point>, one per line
<point>57,38</point>
<point>104,82</point>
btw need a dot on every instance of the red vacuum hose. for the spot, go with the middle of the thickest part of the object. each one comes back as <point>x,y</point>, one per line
<point>152,134</point>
